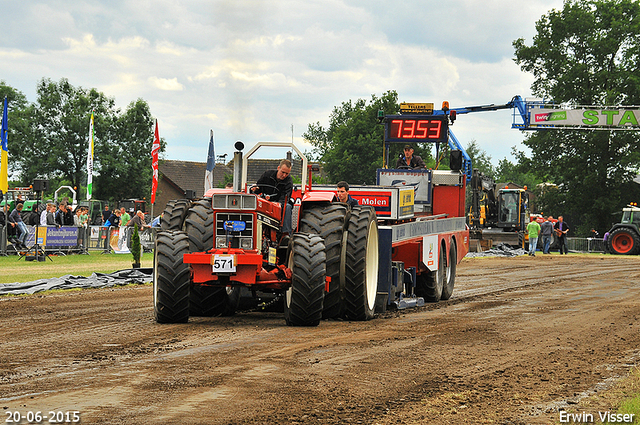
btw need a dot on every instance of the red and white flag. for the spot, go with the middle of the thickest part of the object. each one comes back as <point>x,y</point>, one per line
<point>154,164</point>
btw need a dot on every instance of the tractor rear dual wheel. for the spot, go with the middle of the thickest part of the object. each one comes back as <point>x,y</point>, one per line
<point>174,215</point>
<point>361,265</point>
<point>328,221</point>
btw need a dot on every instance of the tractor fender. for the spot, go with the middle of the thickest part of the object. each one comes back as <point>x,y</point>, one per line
<point>317,196</point>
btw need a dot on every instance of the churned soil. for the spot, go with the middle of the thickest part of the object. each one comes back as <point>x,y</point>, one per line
<point>521,340</point>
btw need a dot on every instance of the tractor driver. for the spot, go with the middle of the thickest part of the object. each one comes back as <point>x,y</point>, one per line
<point>276,186</point>
<point>342,191</point>
<point>409,160</point>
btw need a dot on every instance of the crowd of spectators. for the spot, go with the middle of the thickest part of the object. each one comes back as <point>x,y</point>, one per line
<point>65,215</point>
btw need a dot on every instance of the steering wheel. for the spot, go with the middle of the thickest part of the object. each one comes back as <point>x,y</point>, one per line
<point>262,186</point>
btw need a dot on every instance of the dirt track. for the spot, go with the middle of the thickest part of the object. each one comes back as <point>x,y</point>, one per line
<point>519,339</point>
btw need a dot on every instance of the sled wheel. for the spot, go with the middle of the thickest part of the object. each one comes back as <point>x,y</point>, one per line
<point>450,273</point>
<point>430,284</point>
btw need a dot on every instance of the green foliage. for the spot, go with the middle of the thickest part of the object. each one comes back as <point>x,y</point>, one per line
<point>586,54</point>
<point>50,139</point>
<point>136,248</point>
<point>352,147</point>
<point>228,178</point>
<point>480,160</point>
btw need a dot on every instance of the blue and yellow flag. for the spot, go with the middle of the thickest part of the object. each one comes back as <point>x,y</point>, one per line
<point>4,164</point>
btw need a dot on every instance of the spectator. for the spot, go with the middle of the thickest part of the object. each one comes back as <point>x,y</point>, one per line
<point>68,216</point>
<point>124,217</point>
<point>156,221</point>
<point>561,229</point>
<point>533,228</point>
<point>106,214</point>
<point>138,220</point>
<point>51,215</point>
<point>77,221</point>
<point>229,186</point>
<point>43,215</point>
<point>276,185</point>
<point>16,219</point>
<point>605,241</point>
<point>342,191</point>
<point>546,233</point>
<point>409,160</point>
<point>114,219</point>
<point>3,216</point>
<point>62,210</point>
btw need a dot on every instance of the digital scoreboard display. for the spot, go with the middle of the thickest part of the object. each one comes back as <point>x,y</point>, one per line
<point>416,128</point>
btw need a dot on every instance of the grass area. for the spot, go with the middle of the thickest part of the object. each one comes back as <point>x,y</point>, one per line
<point>14,270</point>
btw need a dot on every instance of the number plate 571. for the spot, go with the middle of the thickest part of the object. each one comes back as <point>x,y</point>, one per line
<point>224,263</point>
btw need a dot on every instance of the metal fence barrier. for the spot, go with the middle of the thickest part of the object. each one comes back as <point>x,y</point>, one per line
<point>78,240</point>
<point>585,245</point>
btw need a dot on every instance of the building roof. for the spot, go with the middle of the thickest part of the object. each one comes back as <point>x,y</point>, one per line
<point>189,175</point>
<point>257,167</point>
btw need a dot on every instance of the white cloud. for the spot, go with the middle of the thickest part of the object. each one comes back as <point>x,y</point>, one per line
<point>169,84</point>
<point>250,69</point>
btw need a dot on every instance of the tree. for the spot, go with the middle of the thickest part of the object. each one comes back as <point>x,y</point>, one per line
<point>123,155</point>
<point>352,147</point>
<point>588,53</point>
<point>480,160</point>
<point>53,135</point>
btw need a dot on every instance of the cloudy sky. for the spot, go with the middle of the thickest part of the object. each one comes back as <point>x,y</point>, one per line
<point>250,70</point>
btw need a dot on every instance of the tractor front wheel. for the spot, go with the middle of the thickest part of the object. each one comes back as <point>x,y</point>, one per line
<point>304,299</point>
<point>171,278</point>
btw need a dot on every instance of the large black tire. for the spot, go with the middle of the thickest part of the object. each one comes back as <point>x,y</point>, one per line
<point>198,224</point>
<point>361,268</point>
<point>171,278</point>
<point>328,221</point>
<point>430,284</point>
<point>450,273</point>
<point>174,220</point>
<point>304,299</point>
<point>164,222</point>
<point>211,301</point>
<point>624,241</point>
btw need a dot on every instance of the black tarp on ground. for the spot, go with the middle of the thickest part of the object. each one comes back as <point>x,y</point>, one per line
<point>96,280</point>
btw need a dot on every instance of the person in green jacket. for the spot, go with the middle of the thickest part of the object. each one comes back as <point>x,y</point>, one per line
<point>534,230</point>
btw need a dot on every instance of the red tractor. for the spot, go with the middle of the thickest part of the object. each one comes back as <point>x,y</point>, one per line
<point>337,263</point>
<point>211,248</point>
